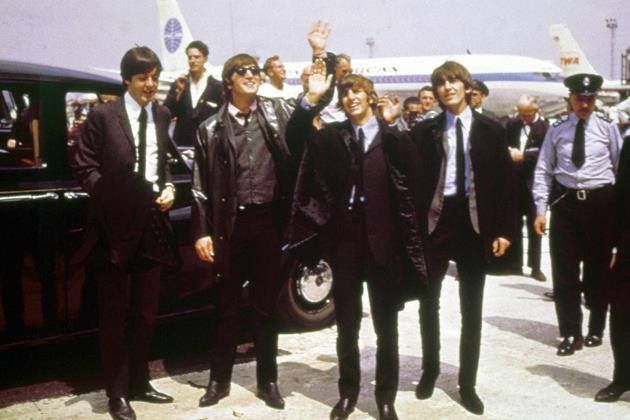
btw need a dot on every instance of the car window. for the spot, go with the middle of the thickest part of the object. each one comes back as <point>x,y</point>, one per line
<point>78,105</point>
<point>20,135</point>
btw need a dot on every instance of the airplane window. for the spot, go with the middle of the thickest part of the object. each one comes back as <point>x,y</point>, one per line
<point>20,145</point>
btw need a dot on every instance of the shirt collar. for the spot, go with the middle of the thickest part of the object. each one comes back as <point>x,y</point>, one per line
<point>574,118</point>
<point>133,108</point>
<point>233,111</point>
<point>465,117</point>
<point>370,129</point>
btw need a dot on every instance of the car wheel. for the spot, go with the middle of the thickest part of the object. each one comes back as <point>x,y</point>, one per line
<point>305,302</point>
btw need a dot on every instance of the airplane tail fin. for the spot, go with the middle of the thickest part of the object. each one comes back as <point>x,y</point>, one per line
<point>175,35</point>
<point>572,58</point>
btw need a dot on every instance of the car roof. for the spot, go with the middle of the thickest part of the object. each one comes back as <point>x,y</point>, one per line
<point>22,71</point>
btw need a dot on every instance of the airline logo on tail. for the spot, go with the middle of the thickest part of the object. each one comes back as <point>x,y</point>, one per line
<point>173,35</point>
<point>572,58</point>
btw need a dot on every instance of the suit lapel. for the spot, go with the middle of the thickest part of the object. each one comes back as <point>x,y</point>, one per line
<point>125,125</point>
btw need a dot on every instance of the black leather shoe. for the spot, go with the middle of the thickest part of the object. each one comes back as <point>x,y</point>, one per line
<point>215,392</point>
<point>471,401</point>
<point>343,409</point>
<point>270,394</point>
<point>150,395</point>
<point>425,387</point>
<point>538,275</point>
<point>569,345</point>
<point>387,412</point>
<point>611,393</point>
<point>593,340</point>
<point>120,409</point>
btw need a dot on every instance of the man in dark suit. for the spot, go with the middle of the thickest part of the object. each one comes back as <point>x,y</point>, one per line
<point>352,192</point>
<point>618,287</point>
<point>121,163</point>
<point>194,96</point>
<point>525,135</point>
<point>464,203</point>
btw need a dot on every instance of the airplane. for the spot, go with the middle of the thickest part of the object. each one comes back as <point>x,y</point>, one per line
<point>573,60</point>
<point>507,76</point>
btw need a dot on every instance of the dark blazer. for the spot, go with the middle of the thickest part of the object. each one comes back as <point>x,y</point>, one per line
<point>121,201</point>
<point>619,288</point>
<point>538,129</point>
<point>492,169</point>
<point>323,190</point>
<point>189,115</point>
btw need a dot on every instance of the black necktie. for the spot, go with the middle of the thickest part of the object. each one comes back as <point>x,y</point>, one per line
<point>577,155</point>
<point>244,116</point>
<point>142,142</point>
<point>459,155</point>
<point>358,147</point>
<point>361,141</point>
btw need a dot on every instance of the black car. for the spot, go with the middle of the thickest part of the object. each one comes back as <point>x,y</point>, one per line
<point>44,288</point>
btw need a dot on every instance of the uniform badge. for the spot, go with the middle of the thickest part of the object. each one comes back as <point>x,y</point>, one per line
<point>586,81</point>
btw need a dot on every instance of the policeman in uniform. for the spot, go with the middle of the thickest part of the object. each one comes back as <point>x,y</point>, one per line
<point>573,178</point>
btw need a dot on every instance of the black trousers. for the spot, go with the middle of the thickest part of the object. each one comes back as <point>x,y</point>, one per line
<point>527,210</point>
<point>351,263</point>
<point>128,302</point>
<point>454,239</point>
<point>619,298</point>
<point>581,233</point>
<point>254,256</point>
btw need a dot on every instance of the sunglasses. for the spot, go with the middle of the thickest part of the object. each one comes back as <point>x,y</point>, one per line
<point>242,70</point>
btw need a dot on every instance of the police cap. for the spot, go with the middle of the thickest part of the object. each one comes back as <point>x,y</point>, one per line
<point>480,86</point>
<point>584,83</point>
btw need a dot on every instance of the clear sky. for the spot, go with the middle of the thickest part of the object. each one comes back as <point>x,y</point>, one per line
<point>86,33</point>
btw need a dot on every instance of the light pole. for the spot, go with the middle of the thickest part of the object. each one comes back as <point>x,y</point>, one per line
<point>370,43</point>
<point>611,24</point>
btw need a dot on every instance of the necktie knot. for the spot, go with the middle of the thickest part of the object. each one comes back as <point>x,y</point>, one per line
<point>361,140</point>
<point>142,118</point>
<point>244,116</point>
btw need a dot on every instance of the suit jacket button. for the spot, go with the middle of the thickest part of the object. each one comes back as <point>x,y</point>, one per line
<point>220,238</point>
<point>223,199</point>
<point>218,275</point>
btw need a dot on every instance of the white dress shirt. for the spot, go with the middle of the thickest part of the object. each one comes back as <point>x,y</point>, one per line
<point>133,113</point>
<point>450,183</point>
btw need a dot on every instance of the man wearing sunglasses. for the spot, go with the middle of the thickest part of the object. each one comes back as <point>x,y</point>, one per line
<point>242,182</point>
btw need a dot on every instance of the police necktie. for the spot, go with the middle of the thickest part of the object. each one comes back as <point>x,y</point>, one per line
<point>459,156</point>
<point>142,142</point>
<point>577,155</point>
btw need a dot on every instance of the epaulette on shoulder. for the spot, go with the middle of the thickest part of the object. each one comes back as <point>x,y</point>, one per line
<point>603,117</point>
<point>561,121</point>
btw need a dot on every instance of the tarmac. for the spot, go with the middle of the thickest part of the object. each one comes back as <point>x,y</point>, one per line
<point>520,376</point>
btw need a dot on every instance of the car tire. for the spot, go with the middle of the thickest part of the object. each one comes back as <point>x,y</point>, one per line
<point>305,301</point>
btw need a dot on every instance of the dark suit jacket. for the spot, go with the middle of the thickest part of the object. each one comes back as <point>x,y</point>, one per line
<point>492,169</point>
<point>619,286</point>
<point>122,210</point>
<point>324,186</point>
<point>189,115</point>
<point>538,129</point>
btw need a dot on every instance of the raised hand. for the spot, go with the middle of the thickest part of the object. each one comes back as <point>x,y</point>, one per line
<point>318,36</point>
<point>390,108</point>
<point>318,83</point>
